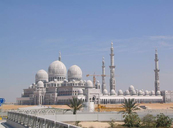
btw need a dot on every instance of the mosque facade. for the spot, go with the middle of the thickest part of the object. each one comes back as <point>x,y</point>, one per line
<point>58,85</point>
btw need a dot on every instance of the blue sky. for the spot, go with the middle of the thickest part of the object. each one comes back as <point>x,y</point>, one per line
<point>33,32</point>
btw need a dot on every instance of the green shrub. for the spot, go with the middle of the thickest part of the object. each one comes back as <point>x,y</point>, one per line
<point>149,121</point>
<point>163,121</point>
<point>112,124</point>
<point>132,120</point>
<point>77,123</point>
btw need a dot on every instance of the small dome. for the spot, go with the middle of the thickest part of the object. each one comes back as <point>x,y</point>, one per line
<point>41,75</point>
<point>146,92</point>
<point>113,92</point>
<point>120,92</point>
<point>74,72</point>
<point>81,82</point>
<point>127,92</point>
<point>89,84</point>
<point>131,88</point>
<point>30,86</point>
<point>97,82</point>
<point>40,84</point>
<point>152,93</point>
<point>149,92</point>
<point>158,93</point>
<point>140,93</point>
<point>133,92</point>
<point>80,92</point>
<point>57,69</point>
<point>143,93</point>
<point>105,92</point>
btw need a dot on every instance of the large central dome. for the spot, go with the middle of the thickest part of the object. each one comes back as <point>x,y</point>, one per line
<point>57,70</point>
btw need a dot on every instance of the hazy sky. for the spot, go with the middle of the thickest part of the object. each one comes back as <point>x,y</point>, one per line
<point>33,32</point>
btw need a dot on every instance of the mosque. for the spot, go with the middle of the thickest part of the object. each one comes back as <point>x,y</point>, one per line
<point>55,88</point>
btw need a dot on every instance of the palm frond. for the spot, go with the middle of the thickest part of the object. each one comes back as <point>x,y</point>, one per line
<point>75,104</point>
<point>130,105</point>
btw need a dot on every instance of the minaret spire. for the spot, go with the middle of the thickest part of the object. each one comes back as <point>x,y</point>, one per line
<point>103,75</point>
<point>157,82</point>
<point>112,69</point>
<point>59,56</point>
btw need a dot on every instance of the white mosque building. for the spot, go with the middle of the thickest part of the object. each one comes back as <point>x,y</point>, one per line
<point>59,85</point>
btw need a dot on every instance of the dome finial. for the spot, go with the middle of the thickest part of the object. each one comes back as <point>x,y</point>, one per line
<point>59,56</point>
<point>112,44</point>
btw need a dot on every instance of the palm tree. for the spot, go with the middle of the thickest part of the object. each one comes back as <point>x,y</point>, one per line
<point>75,104</point>
<point>130,105</point>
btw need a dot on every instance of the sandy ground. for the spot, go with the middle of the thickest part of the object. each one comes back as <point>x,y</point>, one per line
<point>96,124</point>
<point>59,106</point>
<point>14,107</point>
<point>99,124</point>
<point>148,105</point>
<point>159,106</point>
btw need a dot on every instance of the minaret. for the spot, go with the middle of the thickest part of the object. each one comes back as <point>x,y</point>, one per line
<point>103,75</point>
<point>59,56</point>
<point>157,82</point>
<point>112,69</point>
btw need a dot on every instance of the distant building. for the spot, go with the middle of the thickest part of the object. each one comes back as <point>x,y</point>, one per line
<point>58,86</point>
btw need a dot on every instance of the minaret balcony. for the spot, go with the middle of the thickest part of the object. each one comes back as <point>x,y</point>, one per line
<point>112,66</point>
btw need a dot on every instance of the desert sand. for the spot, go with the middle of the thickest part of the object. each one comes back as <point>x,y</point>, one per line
<point>149,106</point>
<point>96,124</point>
<point>15,107</point>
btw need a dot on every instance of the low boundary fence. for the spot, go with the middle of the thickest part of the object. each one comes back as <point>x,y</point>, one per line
<point>31,121</point>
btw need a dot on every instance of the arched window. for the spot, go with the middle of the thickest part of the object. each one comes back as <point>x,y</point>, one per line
<point>93,98</point>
